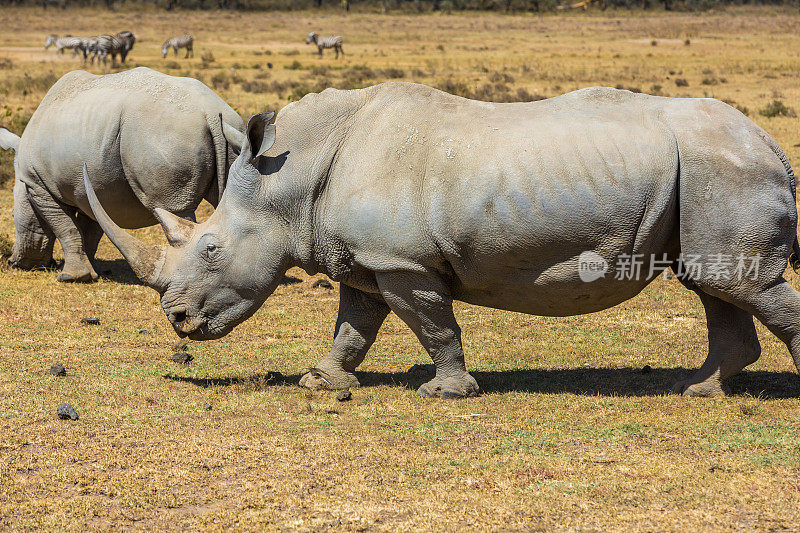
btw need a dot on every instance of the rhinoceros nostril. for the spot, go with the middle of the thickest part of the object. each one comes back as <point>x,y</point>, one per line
<point>177,317</point>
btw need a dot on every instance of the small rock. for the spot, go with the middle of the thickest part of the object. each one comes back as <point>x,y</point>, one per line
<point>421,371</point>
<point>66,412</point>
<point>182,357</point>
<point>646,369</point>
<point>143,332</point>
<point>90,321</point>
<point>324,283</point>
<point>344,396</point>
<point>58,370</point>
<point>180,346</point>
<point>207,407</point>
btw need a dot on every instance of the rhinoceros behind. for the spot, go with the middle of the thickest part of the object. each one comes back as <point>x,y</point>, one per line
<point>413,198</point>
<point>151,141</point>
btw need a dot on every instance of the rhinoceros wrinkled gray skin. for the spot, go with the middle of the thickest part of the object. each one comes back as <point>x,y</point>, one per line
<point>412,198</point>
<point>149,139</point>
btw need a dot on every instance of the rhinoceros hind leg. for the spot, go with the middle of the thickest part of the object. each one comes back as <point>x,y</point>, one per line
<point>65,223</point>
<point>778,308</point>
<point>33,247</point>
<point>732,345</point>
<point>424,303</point>
<point>360,318</point>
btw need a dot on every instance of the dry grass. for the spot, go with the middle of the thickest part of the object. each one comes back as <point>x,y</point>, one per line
<point>572,435</point>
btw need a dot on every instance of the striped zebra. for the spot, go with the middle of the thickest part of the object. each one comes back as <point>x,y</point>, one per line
<point>111,45</point>
<point>334,41</point>
<point>66,42</point>
<point>88,46</point>
<point>181,41</point>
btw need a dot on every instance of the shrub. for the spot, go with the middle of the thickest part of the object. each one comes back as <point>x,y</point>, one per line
<point>732,103</point>
<point>524,96</point>
<point>294,65</point>
<point>776,108</point>
<point>220,81</point>
<point>392,73</point>
<point>501,77</point>
<point>28,84</point>
<point>255,86</point>
<point>6,246</point>
<point>681,82</point>
<point>207,58</point>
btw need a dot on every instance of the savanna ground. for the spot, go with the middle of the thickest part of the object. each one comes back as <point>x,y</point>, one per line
<point>570,433</point>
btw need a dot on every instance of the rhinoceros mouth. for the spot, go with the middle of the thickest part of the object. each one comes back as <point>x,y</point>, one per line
<point>207,333</point>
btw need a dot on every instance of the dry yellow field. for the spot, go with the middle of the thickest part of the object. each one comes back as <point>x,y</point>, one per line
<point>570,433</point>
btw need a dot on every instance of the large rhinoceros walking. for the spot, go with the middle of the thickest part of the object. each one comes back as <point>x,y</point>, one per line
<point>151,140</point>
<point>413,198</point>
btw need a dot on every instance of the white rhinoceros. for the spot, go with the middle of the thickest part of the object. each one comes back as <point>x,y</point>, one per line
<point>412,198</point>
<point>151,140</point>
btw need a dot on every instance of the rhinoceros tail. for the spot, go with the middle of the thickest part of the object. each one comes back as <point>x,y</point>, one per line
<point>220,152</point>
<point>794,257</point>
<point>8,140</point>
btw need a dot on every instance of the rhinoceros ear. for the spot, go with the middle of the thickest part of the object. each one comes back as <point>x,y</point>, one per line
<point>178,230</point>
<point>260,133</point>
<point>234,137</point>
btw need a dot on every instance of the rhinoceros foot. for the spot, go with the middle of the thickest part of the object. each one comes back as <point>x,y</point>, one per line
<point>708,388</point>
<point>326,379</point>
<point>85,277</point>
<point>450,388</point>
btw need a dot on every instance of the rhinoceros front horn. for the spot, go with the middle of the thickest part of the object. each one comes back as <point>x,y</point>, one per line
<point>146,260</point>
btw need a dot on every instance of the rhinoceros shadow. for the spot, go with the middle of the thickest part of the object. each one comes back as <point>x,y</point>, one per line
<point>117,270</point>
<point>626,382</point>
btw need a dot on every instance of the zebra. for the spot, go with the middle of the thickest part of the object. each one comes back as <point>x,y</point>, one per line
<point>88,45</point>
<point>181,41</point>
<point>68,41</point>
<point>121,44</point>
<point>334,41</point>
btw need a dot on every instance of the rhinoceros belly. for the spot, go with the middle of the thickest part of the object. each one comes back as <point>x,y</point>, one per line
<point>514,224</point>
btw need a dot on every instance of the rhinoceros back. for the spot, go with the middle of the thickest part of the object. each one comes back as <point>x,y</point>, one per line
<point>146,138</point>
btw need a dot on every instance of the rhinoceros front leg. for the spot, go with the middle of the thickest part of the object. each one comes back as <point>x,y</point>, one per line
<point>424,303</point>
<point>91,232</point>
<point>64,222</point>
<point>360,318</point>
<point>732,345</point>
